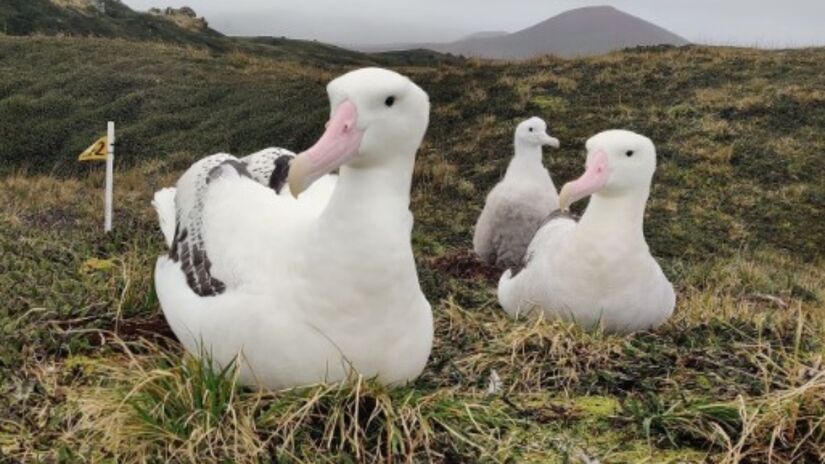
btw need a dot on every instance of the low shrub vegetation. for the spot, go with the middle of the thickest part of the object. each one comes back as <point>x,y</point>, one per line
<point>89,371</point>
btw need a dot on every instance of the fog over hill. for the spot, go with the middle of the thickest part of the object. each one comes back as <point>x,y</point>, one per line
<point>769,23</point>
<point>485,35</point>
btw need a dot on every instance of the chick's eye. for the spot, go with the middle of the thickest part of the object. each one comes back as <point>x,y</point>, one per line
<point>531,129</point>
<point>629,153</point>
<point>389,101</point>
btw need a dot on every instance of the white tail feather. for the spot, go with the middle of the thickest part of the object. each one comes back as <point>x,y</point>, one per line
<point>164,204</point>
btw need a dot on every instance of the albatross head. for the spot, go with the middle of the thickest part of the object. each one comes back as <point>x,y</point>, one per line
<point>618,162</point>
<point>376,115</point>
<point>533,133</point>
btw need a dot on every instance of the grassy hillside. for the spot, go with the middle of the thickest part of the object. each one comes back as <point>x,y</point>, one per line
<point>738,132</point>
<point>80,18</point>
<point>56,92</point>
<point>87,368</point>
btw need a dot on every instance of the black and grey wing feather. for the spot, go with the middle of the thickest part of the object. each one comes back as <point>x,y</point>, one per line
<point>188,247</point>
<point>270,167</point>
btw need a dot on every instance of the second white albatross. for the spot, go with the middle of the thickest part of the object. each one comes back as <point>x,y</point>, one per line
<point>307,291</point>
<point>597,271</point>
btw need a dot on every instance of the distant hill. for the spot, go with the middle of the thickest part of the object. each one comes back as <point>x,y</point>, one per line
<point>181,26</point>
<point>104,18</point>
<point>580,32</point>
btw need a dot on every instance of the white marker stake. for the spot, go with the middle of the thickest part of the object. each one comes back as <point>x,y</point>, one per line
<point>110,174</point>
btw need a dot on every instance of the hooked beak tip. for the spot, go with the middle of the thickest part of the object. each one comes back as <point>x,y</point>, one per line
<point>295,180</point>
<point>293,189</point>
<point>564,198</point>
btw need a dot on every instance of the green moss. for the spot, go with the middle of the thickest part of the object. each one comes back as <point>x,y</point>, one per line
<point>553,105</point>
<point>597,406</point>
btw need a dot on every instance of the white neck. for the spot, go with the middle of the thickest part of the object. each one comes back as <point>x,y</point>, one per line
<point>373,193</point>
<point>361,242</point>
<point>619,216</point>
<point>526,162</point>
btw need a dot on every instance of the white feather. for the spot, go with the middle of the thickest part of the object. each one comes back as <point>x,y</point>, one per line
<point>320,286</point>
<point>164,204</point>
<point>599,271</point>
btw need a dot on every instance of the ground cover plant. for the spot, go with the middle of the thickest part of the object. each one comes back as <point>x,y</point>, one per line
<point>89,371</point>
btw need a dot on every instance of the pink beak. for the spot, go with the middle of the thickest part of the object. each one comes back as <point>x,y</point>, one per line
<point>339,144</point>
<point>594,179</point>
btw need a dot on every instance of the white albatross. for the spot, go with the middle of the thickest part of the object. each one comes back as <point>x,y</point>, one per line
<point>597,271</point>
<point>309,290</point>
<point>516,206</point>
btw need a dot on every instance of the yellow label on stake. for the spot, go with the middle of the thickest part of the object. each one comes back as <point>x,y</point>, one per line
<point>97,152</point>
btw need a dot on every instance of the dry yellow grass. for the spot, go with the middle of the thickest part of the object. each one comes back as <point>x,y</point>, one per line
<point>88,371</point>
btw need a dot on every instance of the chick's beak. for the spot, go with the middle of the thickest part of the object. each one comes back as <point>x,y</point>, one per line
<point>550,141</point>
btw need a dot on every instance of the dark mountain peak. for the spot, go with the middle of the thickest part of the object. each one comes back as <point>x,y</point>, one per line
<point>596,17</point>
<point>593,8</point>
<point>591,30</point>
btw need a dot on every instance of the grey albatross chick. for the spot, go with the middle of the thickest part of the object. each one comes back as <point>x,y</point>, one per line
<point>517,206</point>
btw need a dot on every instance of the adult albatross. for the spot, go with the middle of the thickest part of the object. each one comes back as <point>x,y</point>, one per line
<point>302,291</point>
<point>597,271</point>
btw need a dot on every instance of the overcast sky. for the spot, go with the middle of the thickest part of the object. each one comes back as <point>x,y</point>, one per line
<point>765,23</point>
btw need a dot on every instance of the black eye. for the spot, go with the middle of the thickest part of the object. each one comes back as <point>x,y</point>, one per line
<point>389,101</point>
<point>531,129</point>
<point>629,153</point>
